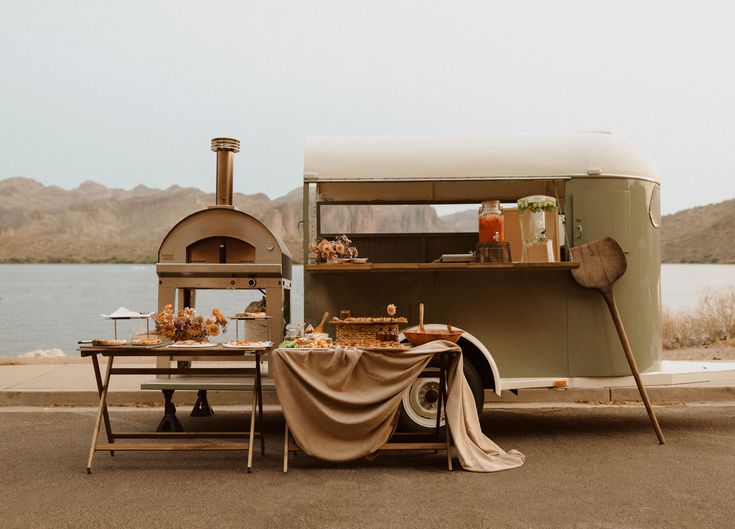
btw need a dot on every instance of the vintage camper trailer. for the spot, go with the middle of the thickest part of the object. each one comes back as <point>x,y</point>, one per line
<point>526,324</point>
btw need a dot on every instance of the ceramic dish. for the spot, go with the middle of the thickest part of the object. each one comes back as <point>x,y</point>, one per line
<point>193,346</point>
<point>420,338</point>
<point>252,345</point>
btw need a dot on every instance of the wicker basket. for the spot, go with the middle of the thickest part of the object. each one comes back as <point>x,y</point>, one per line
<point>361,331</point>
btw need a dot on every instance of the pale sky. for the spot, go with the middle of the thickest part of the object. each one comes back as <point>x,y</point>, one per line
<point>129,93</point>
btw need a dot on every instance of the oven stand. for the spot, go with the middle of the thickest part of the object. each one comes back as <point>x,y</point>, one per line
<point>201,406</point>
<point>169,423</point>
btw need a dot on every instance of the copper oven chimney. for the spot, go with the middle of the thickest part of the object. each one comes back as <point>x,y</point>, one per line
<point>225,149</point>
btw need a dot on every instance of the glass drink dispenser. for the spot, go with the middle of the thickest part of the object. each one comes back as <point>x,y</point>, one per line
<point>537,218</point>
<point>492,226</point>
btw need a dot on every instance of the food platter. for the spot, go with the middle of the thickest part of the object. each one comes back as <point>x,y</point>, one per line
<point>198,345</point>
<point>316,349</point>
<point>375,345</point>
<point>387,348</point>
<point>109,343</point>
<point>367,320</point>
<point>306,343</point>
<point>243,344</point>
<point>146,342</point>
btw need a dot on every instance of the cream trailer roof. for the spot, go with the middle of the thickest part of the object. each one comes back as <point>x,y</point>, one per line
<point>457,168</point>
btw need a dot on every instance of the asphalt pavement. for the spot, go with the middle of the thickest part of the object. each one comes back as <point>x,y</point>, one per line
<point>73,384</point>
<point>596,467</point>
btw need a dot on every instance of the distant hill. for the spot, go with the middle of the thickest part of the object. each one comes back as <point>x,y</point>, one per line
<point>97,224</point>
<point>462,220</point>
<point>704,234</point>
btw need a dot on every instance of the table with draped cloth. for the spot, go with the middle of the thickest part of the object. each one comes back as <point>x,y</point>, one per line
<point>343,404</point>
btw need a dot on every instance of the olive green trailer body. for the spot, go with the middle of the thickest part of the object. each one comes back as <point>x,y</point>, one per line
<point>534,321</point>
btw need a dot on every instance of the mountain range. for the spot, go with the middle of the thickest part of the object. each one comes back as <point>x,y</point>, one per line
<point>97,224</point>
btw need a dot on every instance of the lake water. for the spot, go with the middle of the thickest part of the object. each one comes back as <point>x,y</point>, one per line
<point>54,305</point>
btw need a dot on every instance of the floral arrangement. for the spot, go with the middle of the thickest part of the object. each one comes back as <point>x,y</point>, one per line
<point>188,325</point>
<point>339,248</point>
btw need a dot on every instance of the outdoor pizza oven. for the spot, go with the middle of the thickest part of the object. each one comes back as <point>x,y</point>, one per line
<point>224,248</point>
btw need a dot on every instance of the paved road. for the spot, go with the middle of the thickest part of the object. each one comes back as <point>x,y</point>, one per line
<point>596,467</point>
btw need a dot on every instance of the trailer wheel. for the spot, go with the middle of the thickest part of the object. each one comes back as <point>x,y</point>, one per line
<point>419,402</point>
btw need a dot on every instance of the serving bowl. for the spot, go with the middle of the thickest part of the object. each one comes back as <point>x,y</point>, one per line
<point>417,338</point>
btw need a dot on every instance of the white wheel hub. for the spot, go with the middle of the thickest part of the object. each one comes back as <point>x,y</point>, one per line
<point>421,400</point>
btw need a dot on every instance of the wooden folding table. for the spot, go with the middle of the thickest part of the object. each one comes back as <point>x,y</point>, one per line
<point>163,439</point>
<point>436,440</point>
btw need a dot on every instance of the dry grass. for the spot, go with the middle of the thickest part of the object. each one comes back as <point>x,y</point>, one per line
<point>713,321</point>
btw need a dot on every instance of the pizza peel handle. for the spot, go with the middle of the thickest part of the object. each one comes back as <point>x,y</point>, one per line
<point>601,264</point>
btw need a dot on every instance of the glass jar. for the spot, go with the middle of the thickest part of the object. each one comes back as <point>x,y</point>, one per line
<point>293,330</point>
<point>537,216</point>
<point>491,223</point>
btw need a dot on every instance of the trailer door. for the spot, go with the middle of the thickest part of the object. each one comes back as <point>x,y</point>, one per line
<point>601,213</point>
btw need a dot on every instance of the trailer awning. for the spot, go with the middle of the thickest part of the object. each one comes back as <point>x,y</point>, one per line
<point>455,168</point>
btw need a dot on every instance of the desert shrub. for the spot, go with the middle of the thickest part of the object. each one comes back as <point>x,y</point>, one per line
<point>712,321</point>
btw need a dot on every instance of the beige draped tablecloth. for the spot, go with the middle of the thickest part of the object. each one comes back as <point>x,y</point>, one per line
<point>343,404</point>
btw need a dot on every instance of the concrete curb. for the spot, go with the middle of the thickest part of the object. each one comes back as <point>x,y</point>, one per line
<point>606,395</point>
<point>660,395</point>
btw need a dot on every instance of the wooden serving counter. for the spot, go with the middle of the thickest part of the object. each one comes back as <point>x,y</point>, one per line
<point>436,267</point>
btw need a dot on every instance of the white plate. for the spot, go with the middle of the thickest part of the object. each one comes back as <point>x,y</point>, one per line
<point>263,345</point>
<point>193,346</point>
<point>318,349</point>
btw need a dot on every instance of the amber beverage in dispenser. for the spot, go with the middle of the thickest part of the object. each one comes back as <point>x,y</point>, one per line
<point>492,224</point>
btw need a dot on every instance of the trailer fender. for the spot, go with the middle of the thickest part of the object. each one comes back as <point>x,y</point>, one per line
<point>474,344</point>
